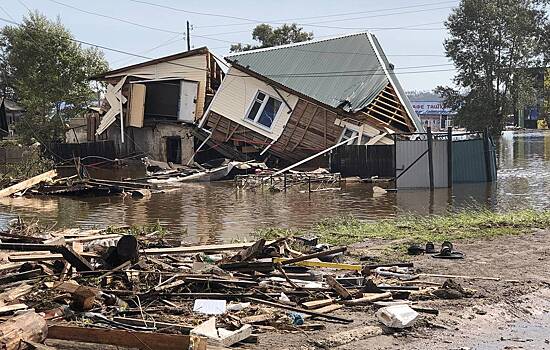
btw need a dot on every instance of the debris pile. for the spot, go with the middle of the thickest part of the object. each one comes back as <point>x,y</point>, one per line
<point>149,291</point>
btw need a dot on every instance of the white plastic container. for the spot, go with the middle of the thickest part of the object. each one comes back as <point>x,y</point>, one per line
<point>397,316</point>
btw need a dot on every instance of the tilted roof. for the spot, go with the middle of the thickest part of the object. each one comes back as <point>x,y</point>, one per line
<point>347,71</point>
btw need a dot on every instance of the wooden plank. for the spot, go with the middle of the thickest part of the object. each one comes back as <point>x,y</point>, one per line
<point>199,248</point>
<point>306,128</point>
<point>315,304</point>
<point>130,339</point>
<point>329,265</point>
<point>136,105</point>
<point>23,185</point>
<point>368,298</point>
<point>316,313</point>
<point>8,309</point>
<point>337,287</point>
<point>325,310</point>
<point>299,117</point>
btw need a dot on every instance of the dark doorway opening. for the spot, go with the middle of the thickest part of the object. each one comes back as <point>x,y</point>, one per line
<point>173,149</point>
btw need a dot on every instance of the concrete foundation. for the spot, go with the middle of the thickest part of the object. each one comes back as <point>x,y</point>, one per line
<point>160,141</point>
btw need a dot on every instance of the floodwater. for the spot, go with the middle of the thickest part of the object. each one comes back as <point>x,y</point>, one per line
<point>216,212</point>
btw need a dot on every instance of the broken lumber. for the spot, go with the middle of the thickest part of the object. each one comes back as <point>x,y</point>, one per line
<point>315,304</point>
<point>27,326</point>
<point>68,253</point>
<point>316,313</point>
<point>314,255</point>
<point>221,336</point>
<point>9,309</point>
<point>328,265</point>
<point>14,293</point>
<point>337,287</point>
<point>26,184</point>
<point>198,248</point>
<point>368,298</point>
<point>129,339</point>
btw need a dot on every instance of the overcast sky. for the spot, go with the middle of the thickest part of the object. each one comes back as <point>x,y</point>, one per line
<point>410,32</point>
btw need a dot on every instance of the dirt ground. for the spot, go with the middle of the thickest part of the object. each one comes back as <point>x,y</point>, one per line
<point>501,315</point>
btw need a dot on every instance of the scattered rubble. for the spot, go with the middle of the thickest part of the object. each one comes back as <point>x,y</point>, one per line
<point>105,286</point>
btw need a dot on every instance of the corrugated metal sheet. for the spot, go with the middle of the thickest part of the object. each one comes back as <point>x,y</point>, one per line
<point>418,175</point>
<point>334,71</point>
<point>469,161</point>
<point>363,161</point>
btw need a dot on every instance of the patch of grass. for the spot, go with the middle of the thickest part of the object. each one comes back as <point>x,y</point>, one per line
<point>411,228</point>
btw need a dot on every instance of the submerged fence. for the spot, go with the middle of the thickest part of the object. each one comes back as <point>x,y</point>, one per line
<point>422,160</point>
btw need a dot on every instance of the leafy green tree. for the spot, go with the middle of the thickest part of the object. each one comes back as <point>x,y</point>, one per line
<point>269,37</point>
<point>493,45</point>
<point>48,73</point>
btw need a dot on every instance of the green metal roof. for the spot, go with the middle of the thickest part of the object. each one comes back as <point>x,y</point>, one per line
<point>346,71</point>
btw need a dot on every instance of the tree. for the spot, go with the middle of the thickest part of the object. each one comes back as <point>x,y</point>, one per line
<point>269,37</point>
<point>493,45</point>
<point>48,73</point>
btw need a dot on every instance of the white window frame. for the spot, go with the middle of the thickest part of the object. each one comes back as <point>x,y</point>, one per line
<point>261,109</point>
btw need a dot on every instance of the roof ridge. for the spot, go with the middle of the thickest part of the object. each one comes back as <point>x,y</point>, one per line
<point>301,43</point>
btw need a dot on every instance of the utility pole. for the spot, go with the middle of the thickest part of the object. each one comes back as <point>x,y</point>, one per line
<point>188,38</point>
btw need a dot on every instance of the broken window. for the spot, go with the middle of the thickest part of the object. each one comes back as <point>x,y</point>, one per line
<point>264,110</point>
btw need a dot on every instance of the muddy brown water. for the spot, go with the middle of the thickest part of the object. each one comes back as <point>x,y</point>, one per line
<point>215,212</point>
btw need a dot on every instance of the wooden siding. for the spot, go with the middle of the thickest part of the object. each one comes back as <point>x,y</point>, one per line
<point>235,96</point>
<point>191,68</point>
<point>310,129</point>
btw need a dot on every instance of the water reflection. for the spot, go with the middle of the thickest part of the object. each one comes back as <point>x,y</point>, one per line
<point>215,212</point>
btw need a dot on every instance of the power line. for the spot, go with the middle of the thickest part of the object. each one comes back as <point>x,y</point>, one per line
<point>116,18</point>
<point>237,75</point>
<point>280,21</point>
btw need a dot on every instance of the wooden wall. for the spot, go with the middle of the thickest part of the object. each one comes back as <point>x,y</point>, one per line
<point>309,130</point>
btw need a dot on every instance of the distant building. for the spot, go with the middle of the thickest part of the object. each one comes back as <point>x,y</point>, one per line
<point>532,116</point>
<point>433,114</point>
<point>14,112</point>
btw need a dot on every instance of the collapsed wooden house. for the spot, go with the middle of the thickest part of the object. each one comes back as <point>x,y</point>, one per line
<point>153,106</point>
<point>294,100</point>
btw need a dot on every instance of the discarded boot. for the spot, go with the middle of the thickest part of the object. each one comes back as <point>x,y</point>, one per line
<point>430,248</point>
<point>415,249</point>
<point>447,252</point>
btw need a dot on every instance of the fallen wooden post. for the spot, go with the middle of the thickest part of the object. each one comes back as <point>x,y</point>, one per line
<point>129,339</point>
<point>315,304</point>
<point>68,253</point>
<point>314,255</point>
<point>198,248</point>
<point>327,265</point>
<point>27,326</point>
<point>303,311</point>
<point>26,184</point>
<point>368,298</point>
<point>337,287</point>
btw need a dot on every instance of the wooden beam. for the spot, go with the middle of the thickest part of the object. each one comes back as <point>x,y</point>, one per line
<point>306,129</point>
<point>295,125</point>
<point>23,185</point>
<point>129,339</point>
<point>199,248</point>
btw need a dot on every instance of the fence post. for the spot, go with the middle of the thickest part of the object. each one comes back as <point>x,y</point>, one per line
<point>449,157</point>
<point>488,172</point>
<point>394,161</point>
<point>430,157</point>
<point>284,180</point>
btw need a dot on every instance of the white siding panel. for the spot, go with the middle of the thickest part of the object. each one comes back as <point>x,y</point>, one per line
<point>235,95</point>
